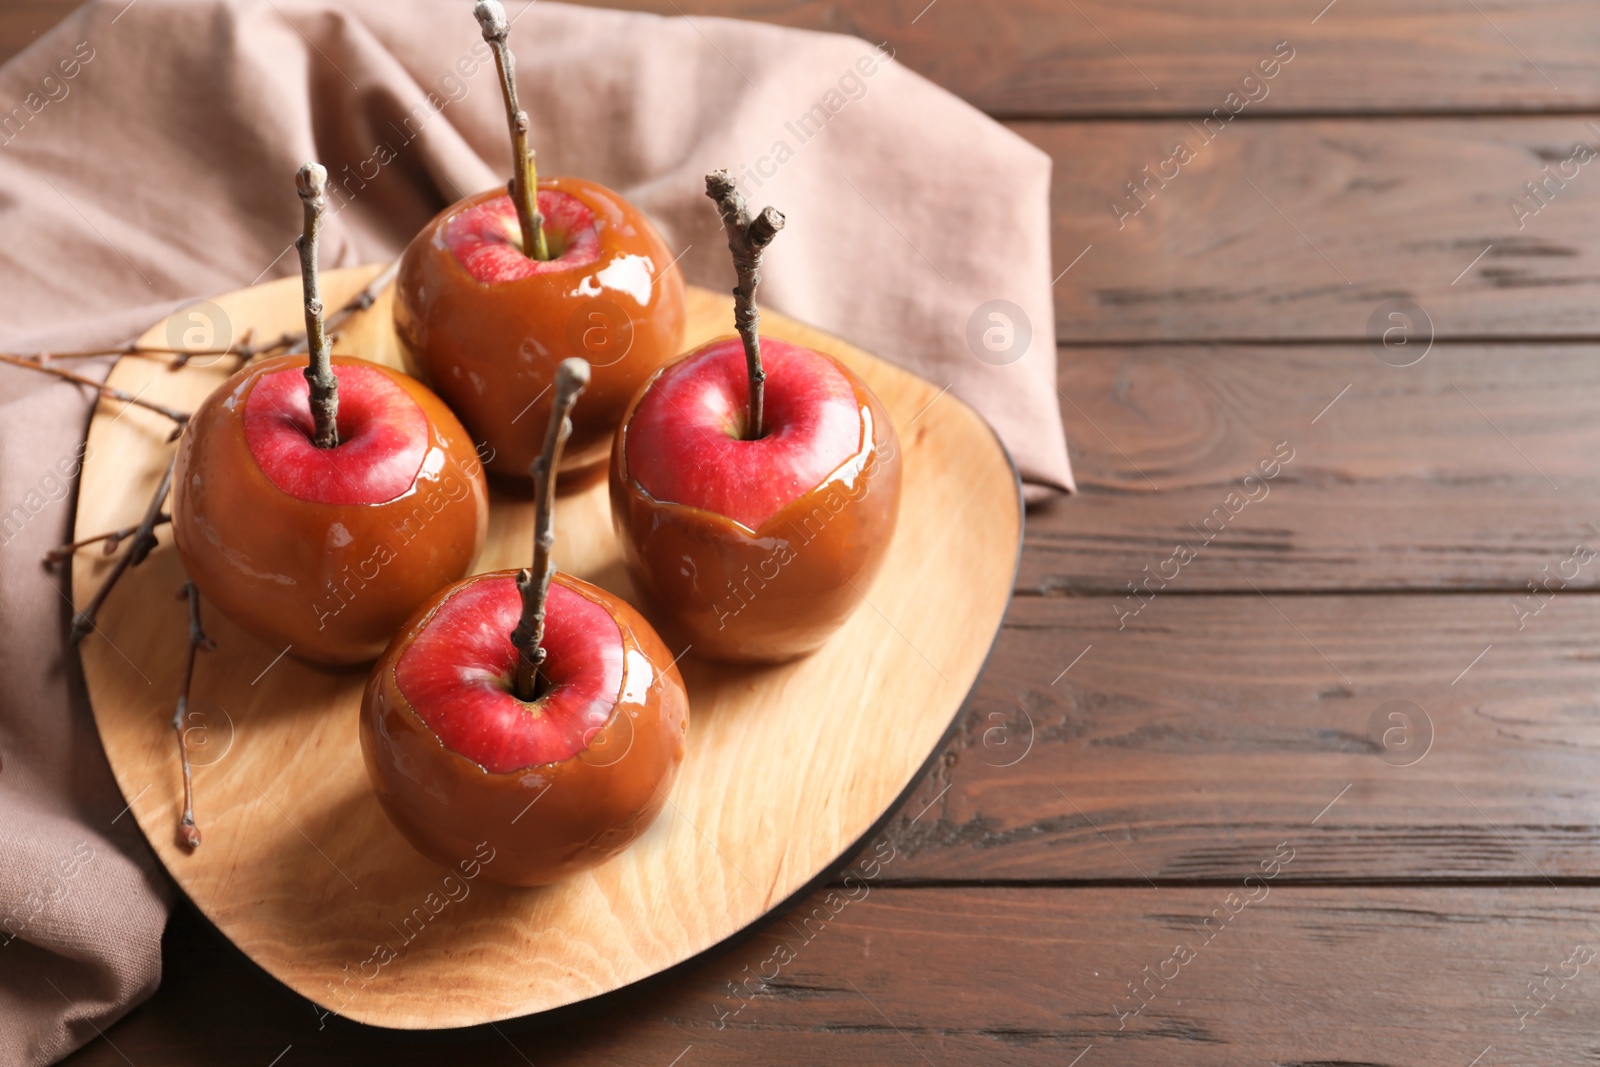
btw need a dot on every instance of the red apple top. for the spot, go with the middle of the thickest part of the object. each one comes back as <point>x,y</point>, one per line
<point>488,244</point>
<point>459,675</point>
<point>382,431</point>
<point>688,442</point>
<point>555,785</point>
<point>743,441</point>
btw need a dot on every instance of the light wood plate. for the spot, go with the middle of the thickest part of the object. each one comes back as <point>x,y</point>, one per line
<point>788,768</point>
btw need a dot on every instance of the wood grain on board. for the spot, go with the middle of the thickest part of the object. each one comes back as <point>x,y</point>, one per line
<point>1015,976</point>
<point>1301,229</point>
<point>787,767</point>
<point>1471,469</point>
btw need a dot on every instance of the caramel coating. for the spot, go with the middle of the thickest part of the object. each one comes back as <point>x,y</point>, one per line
<point>332,581</point>
<point>774,594</point>
<point>491,350</point>
<point>589,807</point>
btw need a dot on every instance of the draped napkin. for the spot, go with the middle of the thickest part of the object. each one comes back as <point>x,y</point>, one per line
<point>147,153</point>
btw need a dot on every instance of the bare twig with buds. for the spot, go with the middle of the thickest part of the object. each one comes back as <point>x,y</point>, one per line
<point>295,342</point>
<point>534,585</point>
<point>188,832</point>
<point>747,240</point>
<point>312,184</point>
<point>113,541</point>
<point>181,356</point>
<point>107,391</point>
<point>286,343</point>
<point>143,540</point>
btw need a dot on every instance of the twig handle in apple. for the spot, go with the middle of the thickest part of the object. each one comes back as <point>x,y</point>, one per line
<point>312,184</point>
<point>747,239</point>
<point>534,585</point>
<point>524,185</point>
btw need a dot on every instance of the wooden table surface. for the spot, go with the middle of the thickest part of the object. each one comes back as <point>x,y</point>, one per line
<point>1321,788</point>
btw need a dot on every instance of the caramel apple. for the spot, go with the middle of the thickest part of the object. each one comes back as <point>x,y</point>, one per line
<point>754,483</point>
<point>528,710</point>
<point>318,500</point>
<point>499,288</point>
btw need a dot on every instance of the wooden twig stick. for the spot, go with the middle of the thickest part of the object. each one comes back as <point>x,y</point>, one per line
<point>534,585</point>
<point>144,539</point>
<point>288,342</point>
<point>179,357</point>
<point>110,392</point>
<point>113,541</point>
<point>524,184</point>
<point>188,832</point>
<point>132,348</point>
<point>747,239</point>
<point>363,300</point>
<point>312,184</point>
<point>182,356</point>
<point>367,296</point>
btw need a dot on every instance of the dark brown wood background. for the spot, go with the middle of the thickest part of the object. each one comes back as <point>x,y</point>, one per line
<point>1434,884</point>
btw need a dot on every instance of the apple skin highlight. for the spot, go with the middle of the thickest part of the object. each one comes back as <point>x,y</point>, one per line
<point>333,576</point>
<point>486,326</point>
<point>546,821</point>
<point>777,591</point>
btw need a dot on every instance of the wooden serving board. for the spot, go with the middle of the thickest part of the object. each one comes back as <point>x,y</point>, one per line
<point>788,768</point>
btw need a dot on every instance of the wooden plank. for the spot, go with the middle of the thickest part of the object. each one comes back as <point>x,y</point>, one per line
<point>1471,469</point>
<point>1045,59</point>
<point>1190,742</point>
<point>1304,229</point>
<point>1042,59</point>
<point>962,975</point>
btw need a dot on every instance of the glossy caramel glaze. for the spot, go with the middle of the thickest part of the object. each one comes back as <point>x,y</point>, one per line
<point>333,582</point>
<point>545,822</point>
<point>491,350</point>
<point>768,595</point>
